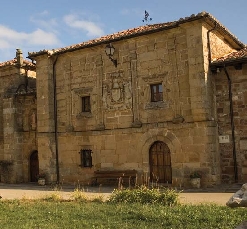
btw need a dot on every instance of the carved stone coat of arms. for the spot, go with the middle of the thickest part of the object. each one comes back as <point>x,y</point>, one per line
<point>117,92</point>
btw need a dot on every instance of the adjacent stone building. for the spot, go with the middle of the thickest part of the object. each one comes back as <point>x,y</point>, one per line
<point>230,73</point>
<point>17,119</point>
<point>152,98</point>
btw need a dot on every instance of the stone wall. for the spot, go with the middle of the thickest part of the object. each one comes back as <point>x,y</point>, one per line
<point>239,97</point>
<point>17,136</point>
<point>26,117</point>
<point>190,144</point>
<point>9,76</point>
<point>45,117</point>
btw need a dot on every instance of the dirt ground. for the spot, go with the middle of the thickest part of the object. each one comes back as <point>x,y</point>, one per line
<point>32,191</point>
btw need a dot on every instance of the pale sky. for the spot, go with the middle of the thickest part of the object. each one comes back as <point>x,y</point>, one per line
<point>50,24</point>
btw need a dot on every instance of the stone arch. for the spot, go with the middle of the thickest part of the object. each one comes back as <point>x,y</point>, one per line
<point>160,163</point>
<point>165,136</point>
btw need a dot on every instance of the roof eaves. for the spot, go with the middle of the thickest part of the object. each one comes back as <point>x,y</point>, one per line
<point>139,31</point>
<point>87,45</point>
<point>232,58</point>
<point>224,31</point>
<point>229,62</point>
<point>41,52</point>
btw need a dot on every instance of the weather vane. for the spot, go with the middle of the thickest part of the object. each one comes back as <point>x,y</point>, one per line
<point>146,17</point>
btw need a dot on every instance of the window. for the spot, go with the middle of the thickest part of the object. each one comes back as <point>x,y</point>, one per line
<point>86,158</point>
<point>156,92</point>
<point>85,100</point>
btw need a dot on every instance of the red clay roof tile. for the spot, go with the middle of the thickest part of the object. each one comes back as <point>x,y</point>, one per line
<point>233,56</point>
<point>14,62</point>
<point>137,32</point>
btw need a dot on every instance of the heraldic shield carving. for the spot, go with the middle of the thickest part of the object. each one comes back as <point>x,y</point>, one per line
<point>116,92</point>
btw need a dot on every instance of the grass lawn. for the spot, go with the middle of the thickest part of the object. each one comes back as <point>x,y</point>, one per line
<point>75,214</point>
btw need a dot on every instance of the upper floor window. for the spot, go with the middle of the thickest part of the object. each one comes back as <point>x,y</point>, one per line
<point>86,107</point>
<point>156,92</point>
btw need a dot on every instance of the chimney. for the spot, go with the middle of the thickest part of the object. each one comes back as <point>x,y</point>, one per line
<point>19,57</point>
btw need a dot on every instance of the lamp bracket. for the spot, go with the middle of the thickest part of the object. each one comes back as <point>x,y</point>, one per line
<point>114,61</point>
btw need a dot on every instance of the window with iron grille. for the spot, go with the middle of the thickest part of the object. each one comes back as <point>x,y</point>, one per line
<point>156,92</point>
<point>86,157</point>
<point>86,107</point>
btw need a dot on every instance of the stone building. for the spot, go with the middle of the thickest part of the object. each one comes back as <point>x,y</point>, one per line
<point>152,98</point>
<point>17,119</point>
<point>230,73</point>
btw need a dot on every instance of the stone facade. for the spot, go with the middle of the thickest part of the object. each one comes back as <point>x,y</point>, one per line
<point>124,127</point>
<point>123,123</point>
<point>18,119</point>
<point>238,90</point>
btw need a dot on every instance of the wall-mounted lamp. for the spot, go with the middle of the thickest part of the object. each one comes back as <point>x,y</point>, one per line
<point>109,50</point>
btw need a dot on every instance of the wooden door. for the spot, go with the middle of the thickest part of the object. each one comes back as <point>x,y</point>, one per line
<point>160,163</point>
<point>34,166</point>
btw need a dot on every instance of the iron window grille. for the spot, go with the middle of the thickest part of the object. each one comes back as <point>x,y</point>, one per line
<point>156,92</point>
<point>86,158</point>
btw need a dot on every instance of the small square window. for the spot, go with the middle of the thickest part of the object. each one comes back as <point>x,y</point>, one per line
<point>86,158</point>
<point>85,101</point>
<point>156,92</point>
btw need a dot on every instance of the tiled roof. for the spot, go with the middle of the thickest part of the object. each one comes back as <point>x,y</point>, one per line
<point>141,31</point>
<point>232,57</point>
<point>14,62</point>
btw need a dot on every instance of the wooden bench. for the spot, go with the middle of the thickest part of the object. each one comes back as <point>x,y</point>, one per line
<point>115,177</point>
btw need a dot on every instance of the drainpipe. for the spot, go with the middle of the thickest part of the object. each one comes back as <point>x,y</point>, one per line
<point>232,126</point>
<point>55,116</point>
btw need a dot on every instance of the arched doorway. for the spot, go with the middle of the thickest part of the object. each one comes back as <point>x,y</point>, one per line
<point>160,163</point>
<point>34,166</point>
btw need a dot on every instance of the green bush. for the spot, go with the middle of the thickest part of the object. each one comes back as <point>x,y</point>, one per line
<point>145,195</point>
